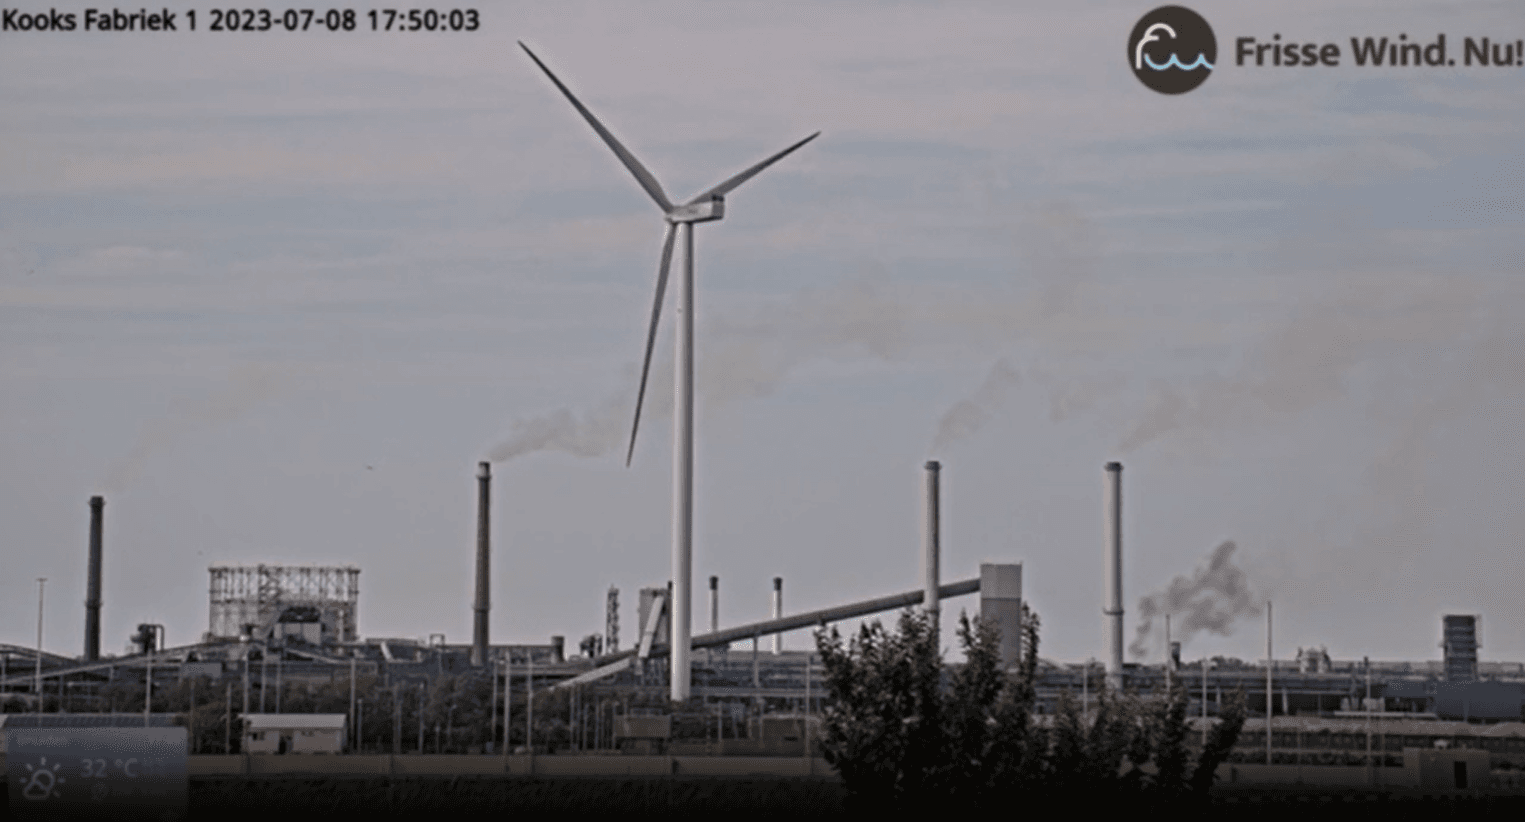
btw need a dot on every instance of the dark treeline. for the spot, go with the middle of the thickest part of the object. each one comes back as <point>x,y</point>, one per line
<point>900,728</point>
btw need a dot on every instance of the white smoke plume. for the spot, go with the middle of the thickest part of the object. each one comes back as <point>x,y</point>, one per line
<point>593,433</point>
<point>247,387</point>
<point>969,415</point>
<point>1211,599</point>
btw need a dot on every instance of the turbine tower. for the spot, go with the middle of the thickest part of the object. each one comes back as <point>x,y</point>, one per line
<point>681,218</point>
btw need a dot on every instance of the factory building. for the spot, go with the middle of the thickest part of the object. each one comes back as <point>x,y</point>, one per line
<point>294,733</point>
<point>280,633</point>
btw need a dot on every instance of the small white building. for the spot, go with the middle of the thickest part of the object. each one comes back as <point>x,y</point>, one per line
<point>294,733</point>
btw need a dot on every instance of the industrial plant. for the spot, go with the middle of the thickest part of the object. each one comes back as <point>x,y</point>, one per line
<point>282,634</point>
<point>284,667</point>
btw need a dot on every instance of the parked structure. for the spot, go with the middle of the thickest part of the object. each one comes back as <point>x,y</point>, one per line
<point>294,733</point>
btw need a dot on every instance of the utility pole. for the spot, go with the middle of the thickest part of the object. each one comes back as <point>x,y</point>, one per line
<point>508,702</point>
<point>1085,694</point>
<point>1269,663</point>
<point>352,662</point>
<point>227,722</point>
<point>37,681</point>
<point>1204,702</point>
<point>148,689</point>
<point>529,708</point>
<point>805,732</point>
<point>1168,658</point>
<point>396,719</point>
<point>245,691</point>
<point>1370,771</point>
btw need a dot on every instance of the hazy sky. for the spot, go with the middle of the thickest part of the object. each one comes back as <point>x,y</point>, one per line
<point>275,294</point>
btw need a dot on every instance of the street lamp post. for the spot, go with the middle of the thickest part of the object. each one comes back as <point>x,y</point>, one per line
<point>37,681</point>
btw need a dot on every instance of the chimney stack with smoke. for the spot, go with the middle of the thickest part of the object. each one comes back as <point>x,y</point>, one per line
<point>1113,609</point>
<point>479,624</point>
<point>930,546</point>
<point>93,582</point>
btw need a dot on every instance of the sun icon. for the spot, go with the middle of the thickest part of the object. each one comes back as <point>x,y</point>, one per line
<point>42,781</point>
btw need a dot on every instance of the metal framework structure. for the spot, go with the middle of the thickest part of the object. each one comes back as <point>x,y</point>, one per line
<point>1459,638</point>
<point>612,621</point>
<point>257,596</point>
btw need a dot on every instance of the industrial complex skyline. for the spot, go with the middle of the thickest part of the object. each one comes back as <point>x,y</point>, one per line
<point>275,295</point>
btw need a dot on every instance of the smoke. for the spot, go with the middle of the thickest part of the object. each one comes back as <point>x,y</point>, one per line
<point>968,416</point>
<point>1304,363</point>
<point>747,353</point>
<point>744,355</point>
<point>1211,599</point>
<point>590,434</point>
<point>247,387</point>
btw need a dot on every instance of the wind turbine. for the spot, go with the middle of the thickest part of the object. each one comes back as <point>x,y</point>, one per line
<point>706,207</point>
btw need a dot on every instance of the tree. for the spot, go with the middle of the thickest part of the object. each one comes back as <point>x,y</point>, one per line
<point>895,733</point>
<point>878,729</point>
<point>898,730</point>
<point>1220,742</point>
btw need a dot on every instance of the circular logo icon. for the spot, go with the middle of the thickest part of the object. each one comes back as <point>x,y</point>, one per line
<point>1172,49</point>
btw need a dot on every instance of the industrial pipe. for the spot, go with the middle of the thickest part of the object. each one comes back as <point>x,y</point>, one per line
<point>809,619</point>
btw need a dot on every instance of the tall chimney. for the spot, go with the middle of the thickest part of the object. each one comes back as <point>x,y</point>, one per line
<point>93,582</point>
<point>930,548</point>
<point>714,604</point>
<point>1113,609</point>
<point>778,613</point>
<point>479,624</point>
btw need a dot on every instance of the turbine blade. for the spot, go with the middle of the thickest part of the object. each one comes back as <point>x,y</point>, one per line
<point>642,176</point>
<point>651,333</point>
<point>744,176</point>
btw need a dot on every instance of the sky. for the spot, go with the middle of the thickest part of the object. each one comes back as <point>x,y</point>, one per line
<point>275,294</point>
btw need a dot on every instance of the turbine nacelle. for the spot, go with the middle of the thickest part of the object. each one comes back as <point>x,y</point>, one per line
<point>699,211</point>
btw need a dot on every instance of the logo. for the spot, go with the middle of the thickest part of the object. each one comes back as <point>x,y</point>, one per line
<point>1172,50</point>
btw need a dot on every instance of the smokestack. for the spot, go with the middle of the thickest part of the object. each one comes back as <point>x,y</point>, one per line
<point>930,547</point>
<point>93,582</point>
<point>1113,539</point>
<point>778,612</point>
<point>479,625</point>
<point>714,604</point>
